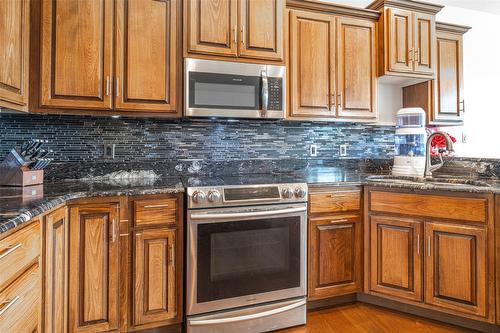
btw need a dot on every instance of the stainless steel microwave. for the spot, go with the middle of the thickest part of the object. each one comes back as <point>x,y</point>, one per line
<point>234,90</point>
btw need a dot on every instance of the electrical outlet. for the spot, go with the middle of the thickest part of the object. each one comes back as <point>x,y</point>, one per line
<point>343,150</point>
<point>313,150</point>
<point>109,151</point>
<point>464,137</point>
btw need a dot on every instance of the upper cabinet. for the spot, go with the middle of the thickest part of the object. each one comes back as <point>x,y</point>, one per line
<point>146,55</point>
<point>14,53</point>
<point>332,67</point>
<point>76,58</point>
<point>250,29</point>
<point>442,98</point>
<point>406,38</point>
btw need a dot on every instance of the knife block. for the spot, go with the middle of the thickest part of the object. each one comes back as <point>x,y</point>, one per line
<point>14,173</point>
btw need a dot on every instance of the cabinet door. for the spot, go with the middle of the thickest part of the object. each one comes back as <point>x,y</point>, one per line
<point>456,268</point>
<point>400,53</point>
<point>146,55</point>
<point>312,64</point>
<point>396,258</point>
<point>56,271</point>
<point>211,26</point>
<point>93,268</point>
<point>14,41</point>
<point>356,73</point>
<point>154,276</point>
<point>76,55</point>
<point>448,85</point>
<point>424,45</point>
<point>334,256</point>
<point>261,29</point>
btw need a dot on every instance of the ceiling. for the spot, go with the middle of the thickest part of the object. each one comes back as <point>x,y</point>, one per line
<point>489,6</point>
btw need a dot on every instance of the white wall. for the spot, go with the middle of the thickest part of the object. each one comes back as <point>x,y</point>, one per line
<point>481,82</point>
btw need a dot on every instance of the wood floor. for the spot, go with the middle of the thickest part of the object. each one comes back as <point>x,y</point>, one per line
<point>364,318</point>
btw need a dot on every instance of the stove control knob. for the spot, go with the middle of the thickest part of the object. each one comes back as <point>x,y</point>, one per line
<point>300,192</point>
<point>287,193</point>
<point>198,196</point>
<point>214,196</point>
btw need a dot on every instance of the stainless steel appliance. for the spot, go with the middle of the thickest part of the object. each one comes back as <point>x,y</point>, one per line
<point>246,265</point>
<point>234,90</point>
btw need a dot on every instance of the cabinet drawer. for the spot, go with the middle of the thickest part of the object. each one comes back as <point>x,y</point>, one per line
<point>335,201</point>
<point>19,250</point>
<point>19,303</point>
<point>157,211</point>
<point>437,206</point>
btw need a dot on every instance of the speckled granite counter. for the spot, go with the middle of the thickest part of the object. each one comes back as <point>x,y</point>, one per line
<point>14,210</point>
<point>17,207</point>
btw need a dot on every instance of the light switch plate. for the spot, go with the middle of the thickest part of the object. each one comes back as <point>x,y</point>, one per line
<point>343,150</point>
<point>313,150</point>
<point>109,151</point>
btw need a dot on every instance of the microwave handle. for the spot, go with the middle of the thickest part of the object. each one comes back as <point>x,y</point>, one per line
<point>264,93</point>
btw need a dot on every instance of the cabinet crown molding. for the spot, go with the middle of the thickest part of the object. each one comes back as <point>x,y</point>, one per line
<point>332,8</point>
<point>452,28</point>
<point>417,6</point>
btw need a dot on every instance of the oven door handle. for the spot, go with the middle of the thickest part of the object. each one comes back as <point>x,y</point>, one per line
<point>208,216</point>
<point>205,322</point>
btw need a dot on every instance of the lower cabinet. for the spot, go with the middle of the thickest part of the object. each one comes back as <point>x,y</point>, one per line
<point>56,271</point>
<point>93,268</point>
<point>456,268</point>
<point>154,274</point>
<point>335,242</point>
<point>416,255</point>
<point>396,258</point>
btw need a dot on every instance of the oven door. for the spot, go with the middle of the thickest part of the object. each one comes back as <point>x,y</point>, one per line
<point>245,256</point>
<point>230,89</point>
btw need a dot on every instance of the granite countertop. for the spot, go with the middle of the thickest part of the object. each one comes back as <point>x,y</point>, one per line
<point>17,208</point>
<point>18,205</point>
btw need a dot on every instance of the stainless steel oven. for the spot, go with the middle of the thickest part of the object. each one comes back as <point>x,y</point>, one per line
<point>246,258</point>
<point>234,90</point>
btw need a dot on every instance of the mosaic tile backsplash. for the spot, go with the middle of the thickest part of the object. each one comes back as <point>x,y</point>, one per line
<point>81,138</point>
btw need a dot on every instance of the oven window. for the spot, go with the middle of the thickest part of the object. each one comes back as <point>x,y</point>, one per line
<point>247,257</point>
<point>224,91</point>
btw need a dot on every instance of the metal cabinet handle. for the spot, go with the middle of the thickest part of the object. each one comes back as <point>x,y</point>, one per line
<point>417,56</point>
<point>462,104</point>
<point>8,250</point>
<point>429,246</point>
<point>113,226</point>
<point>171,260</point>
<point>117,87</point>
<point>156,206</point>
<point>235,35</point>
<point>410,54</point>
<point>339,221</point>
<point>243,35</point>
<point>107,85</point>
<point>4,306</point>
<point>418,244</point>
<point>339,101</point>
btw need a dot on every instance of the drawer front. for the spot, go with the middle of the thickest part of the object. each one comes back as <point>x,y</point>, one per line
<point>19,303</point>
<point>335,201</point>
<point>153,212</point>
<point>437,206</point>
<point>18,251</point>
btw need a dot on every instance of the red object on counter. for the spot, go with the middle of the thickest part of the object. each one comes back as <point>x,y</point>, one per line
<point>439,142</point>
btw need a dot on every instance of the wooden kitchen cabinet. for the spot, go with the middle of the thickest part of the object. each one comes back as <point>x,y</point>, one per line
<point>14,53</point>
<point>432,250</point>
<point>456,268</point>
<point>76,54</point>
<point>250,29</point>
<point>93,267</point>
<point>442,98</point>
<point>56,270</point>
<point>332,67</point>
<point>396,257</point>
<point>407,34</point>
<point>335,242</point>
<point>155,292</point>
<point>146,55</point>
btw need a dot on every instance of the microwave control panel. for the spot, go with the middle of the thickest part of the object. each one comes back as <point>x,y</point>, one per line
<point>275,93</point>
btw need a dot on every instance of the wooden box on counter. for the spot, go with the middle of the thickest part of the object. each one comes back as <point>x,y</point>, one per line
<point>24,178</point>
